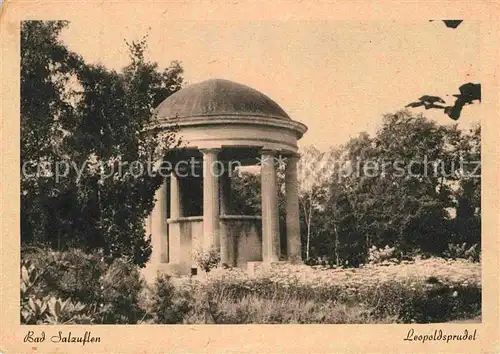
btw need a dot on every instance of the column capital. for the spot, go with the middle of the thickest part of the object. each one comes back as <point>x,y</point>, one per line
<point>210,151</point>
<point>288,153</point>
<point>268,152</point>
<point>267,157</point>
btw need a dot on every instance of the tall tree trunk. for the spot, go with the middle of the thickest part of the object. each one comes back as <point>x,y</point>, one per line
<point>336,243</point>
<point>308,222</point>
<point>367,247</point>
<point>308,234</point>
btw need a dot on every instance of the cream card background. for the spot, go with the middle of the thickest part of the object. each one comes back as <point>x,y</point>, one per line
<point>249,338</point>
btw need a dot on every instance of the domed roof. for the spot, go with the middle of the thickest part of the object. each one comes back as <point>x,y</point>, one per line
<point>217,97</point>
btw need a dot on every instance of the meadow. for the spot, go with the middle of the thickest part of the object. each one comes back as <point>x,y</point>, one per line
<point>74,287</point>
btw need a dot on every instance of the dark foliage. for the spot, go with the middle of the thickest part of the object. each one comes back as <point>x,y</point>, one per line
<point>169,306</point>
<point>108,288</point>
<point>91,123</point>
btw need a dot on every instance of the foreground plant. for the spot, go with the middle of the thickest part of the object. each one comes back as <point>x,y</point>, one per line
<point>207,260</point>
<point>100,290</point>
<point>48,309</point>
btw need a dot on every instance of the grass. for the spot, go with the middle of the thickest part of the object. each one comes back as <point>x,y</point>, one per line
<point>421,291</point>
<point>424,291</point>
<point>255,309</point>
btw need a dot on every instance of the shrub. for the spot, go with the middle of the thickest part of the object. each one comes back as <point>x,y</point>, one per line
<point>464,251</point>
<point>121,286</point>
<point>255,309</point>
<point>380,255</point>
<point>207,260</point>
<point>441,303</point>
<point>46,310</point>
<point>422,291</point>
<point>69,274</point>
<point>78,275</point>
<point>50,310</point>
<point>168,305</point>
<point>110,293</point>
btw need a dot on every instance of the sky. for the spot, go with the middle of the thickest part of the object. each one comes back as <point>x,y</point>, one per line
<point>337,77</point>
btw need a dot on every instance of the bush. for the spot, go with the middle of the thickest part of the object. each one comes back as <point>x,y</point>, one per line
<point>50,310</point>
<point>380,255</point>
<point>464,251</point>
<point>441,303</point>
<point>168,304</point>
<point>69,274</point>
<point>207,260</point>
<point>121,286</point>
<point>109,292</point>
<point>36,310</point>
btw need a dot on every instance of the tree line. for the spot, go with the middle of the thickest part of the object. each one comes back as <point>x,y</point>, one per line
<point>423,192</point>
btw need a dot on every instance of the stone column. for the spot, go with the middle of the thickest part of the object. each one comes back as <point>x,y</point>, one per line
<point>270,216</point>
<point>158,226</point>
<point>292,210</point>
<point>226,242</point>
<point>174,237</point>
<point>210,199</point>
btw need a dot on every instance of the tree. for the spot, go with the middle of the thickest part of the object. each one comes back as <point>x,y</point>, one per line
<point>349,204</point>
<point>314,169</point>
<point>468,194</point>
<point>246,198</point>
<point>420,196</point>
<point>46,68</point>
<point>99,122</point>
<point>397,188</point>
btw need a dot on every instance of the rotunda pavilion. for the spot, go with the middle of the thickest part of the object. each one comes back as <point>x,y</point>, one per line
<point>223,125</point>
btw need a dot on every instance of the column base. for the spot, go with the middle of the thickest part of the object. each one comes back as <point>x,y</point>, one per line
<point>151,271</point>
<point>254,267</point>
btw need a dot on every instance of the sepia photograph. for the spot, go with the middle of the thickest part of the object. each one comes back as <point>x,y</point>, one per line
<point>146,198</point>
<point>180,171</point>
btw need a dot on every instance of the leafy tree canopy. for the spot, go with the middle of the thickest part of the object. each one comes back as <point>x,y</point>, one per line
<point>90,120</point>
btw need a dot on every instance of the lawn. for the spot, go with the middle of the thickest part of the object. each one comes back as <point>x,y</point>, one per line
<point>75,287</point>
<point>422,291</point>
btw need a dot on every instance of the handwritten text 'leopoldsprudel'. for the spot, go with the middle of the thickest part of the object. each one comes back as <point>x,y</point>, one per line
<point>439,335</point>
